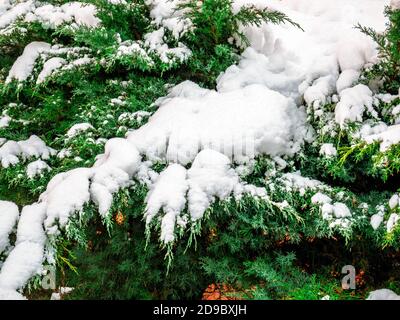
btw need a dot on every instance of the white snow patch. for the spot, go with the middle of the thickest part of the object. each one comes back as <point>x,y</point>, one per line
<point>4,121</point>
<point>36,168</point>
<point>328,150</point>
<point>49,67</point>
<point>240,124</point>
<point>337,210</point>
<point>78,128</point>
<point>346,79</point>
<point>9,214</point>
<point>75,13</point>
<point>353,103</point>
<point>15,12</point>
<point>25,260</point>
<point>376,220</point>
<point>61,292</point>
<point>23,66</point>
<point>169,195</point>
<point>11,151</point>
<point>210,177</point>
<point>386,138</point>
<point>394,201</point>
<point>392,222</point>
<point>383,294</point>
<point>395,4</point>
<point>320,198</point>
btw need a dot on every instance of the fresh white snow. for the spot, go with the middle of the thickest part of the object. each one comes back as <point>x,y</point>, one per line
<point>9,214</point>
<point>11,151</point>
<point>23,66</point>
<point>383,294</point>
<point>257,108</point>
<point>36,168</point>
<point>78,128</point>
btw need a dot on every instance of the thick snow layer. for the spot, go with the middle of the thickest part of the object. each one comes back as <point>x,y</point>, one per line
<point>7,294</point>
<point>392,222</point>
<point>4,121</point>
<point>346,79</point>
<point>394,201</point>
<point>36,168</point>
<point>9,16</point>
<point>240,124</point>
<point>210,177</point>
<point>49,67</point>
<point>78,128</point>
<point>4,6</point>
<point>308,63</point>
<point>23,66</point>
<point>320,198</point>
<point>353,103</point>
<point>328,150</point>
<point>25,260</point>
<point>9,214</point>
<point>338,213</point>
<point>395,4</point>
<point>376,220</point>
<point>387,138</point>
<point>203,134</point>
<point>169,195</point>
<point>383,294</point>
<point>50,15</point>
<point>11,151</point>
<point>65,194</point>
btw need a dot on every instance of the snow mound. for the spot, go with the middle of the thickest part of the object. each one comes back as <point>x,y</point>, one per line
<point>240,124</point>
<point>75,13</point>
<point>11,151</point>
<point>26,259</point>
<point>383,294</point>
<point>36,168</point>
<point>23,66</point>
<point>78,128</point>
<point>9,214</point>
<point>49,67</point>
<point>387,138</point>
<point>353,103</point>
